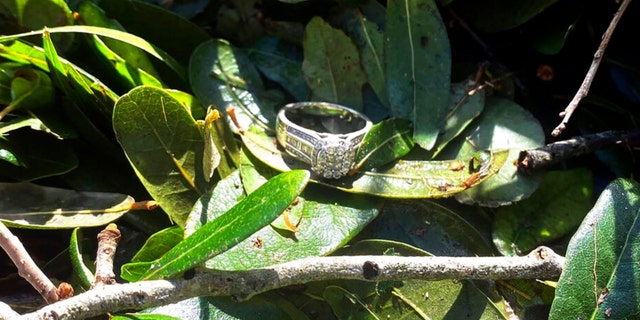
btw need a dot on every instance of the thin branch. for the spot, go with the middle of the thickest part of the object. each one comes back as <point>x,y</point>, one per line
<point>548,155</point>
<point>542,263</point>
<point>588,79</point>
<point>27,268</point>
<point>107,243</point>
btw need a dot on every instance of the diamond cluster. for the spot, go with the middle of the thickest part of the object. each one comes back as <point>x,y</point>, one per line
<point>333,158</point>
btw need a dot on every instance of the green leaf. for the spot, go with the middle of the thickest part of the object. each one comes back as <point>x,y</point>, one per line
<point>85,95</point>
<point>386,141</point>
<point>158,244</point>
<point>499,15</point>
<point>36,14</point>
<point>600,277</point>
<point>129,62</point>
<point>36,207</point>
<point>417,66</point>
<point>9,155</point>
<point>369,39</point>
<point>23,53</point>
<point>254,212</point>
<point>429,226</point>
<point>329,219</point>
<point>142,316</point>
<point>30,89</point>
<point>22,122</point>
<point>223,75</point>
<point>550,38</point>
<point>271,307</point>
<point>80,269</point>
<point>346,305</point>
<point>557,208</point>
<point>175,34</point>
<point>332,65</point>
<point>164,146</point>
<point>110,33</point>
<point>211,157</point>
<point>278,60</point>
<point>503,125</point>
<point>465,108</point>
<point>404,179</point>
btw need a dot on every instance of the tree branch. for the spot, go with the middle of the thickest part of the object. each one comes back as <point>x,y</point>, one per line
<point>588,79</point>
<point>541,263</point>
<point>108,240</point>
<point>550,154</point>
<point>27,268</point>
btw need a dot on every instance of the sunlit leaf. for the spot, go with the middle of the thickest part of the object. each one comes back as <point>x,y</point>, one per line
<point>386,141</point>
<point>223,75</point>
<point>129,62</point>
<point>164,146</point>
<point>465,108</point>
<point>369,39</point>
<point>417,66</point>
<point>110,33</point>
<point>332,65</point>
<point>211,157</point>
<point>281,62</point>
<point>37,14</point>
<point>36,207</point>
<point>29,89</point>
<point>85,96</point>
<point>600,277</point>
<point>158,244</point>
<point>219,235</point>
<point>328,219</point>
<point>80,269</point>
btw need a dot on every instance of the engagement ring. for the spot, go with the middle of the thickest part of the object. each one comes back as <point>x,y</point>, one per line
<point>324,135</point>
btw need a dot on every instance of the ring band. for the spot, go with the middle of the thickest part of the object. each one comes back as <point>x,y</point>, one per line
<point>324,135</point>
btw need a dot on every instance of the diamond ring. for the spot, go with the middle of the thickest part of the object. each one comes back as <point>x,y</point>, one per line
<point>324,135</point>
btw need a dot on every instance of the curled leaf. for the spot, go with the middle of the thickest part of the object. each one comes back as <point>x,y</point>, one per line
<point>30,206</point>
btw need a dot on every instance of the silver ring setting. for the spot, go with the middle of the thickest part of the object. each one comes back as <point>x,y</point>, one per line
<point>324,135</point>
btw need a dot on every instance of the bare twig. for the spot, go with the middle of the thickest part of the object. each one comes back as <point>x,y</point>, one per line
<point>541,263</point>
<point>588,79</point>
<point>26,267</point>
<point>107,243</point>
<point>548,155</point>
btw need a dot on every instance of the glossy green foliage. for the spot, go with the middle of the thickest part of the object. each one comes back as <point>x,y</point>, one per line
<point>557,208</point>
<point>168,161</point>
<point>254,212</point>
<point>327,220</point>
<point>418,66</point>
<point>386,141</point>
<point>37,207</point>
<point>600,279</point>
<point>332,65</point>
